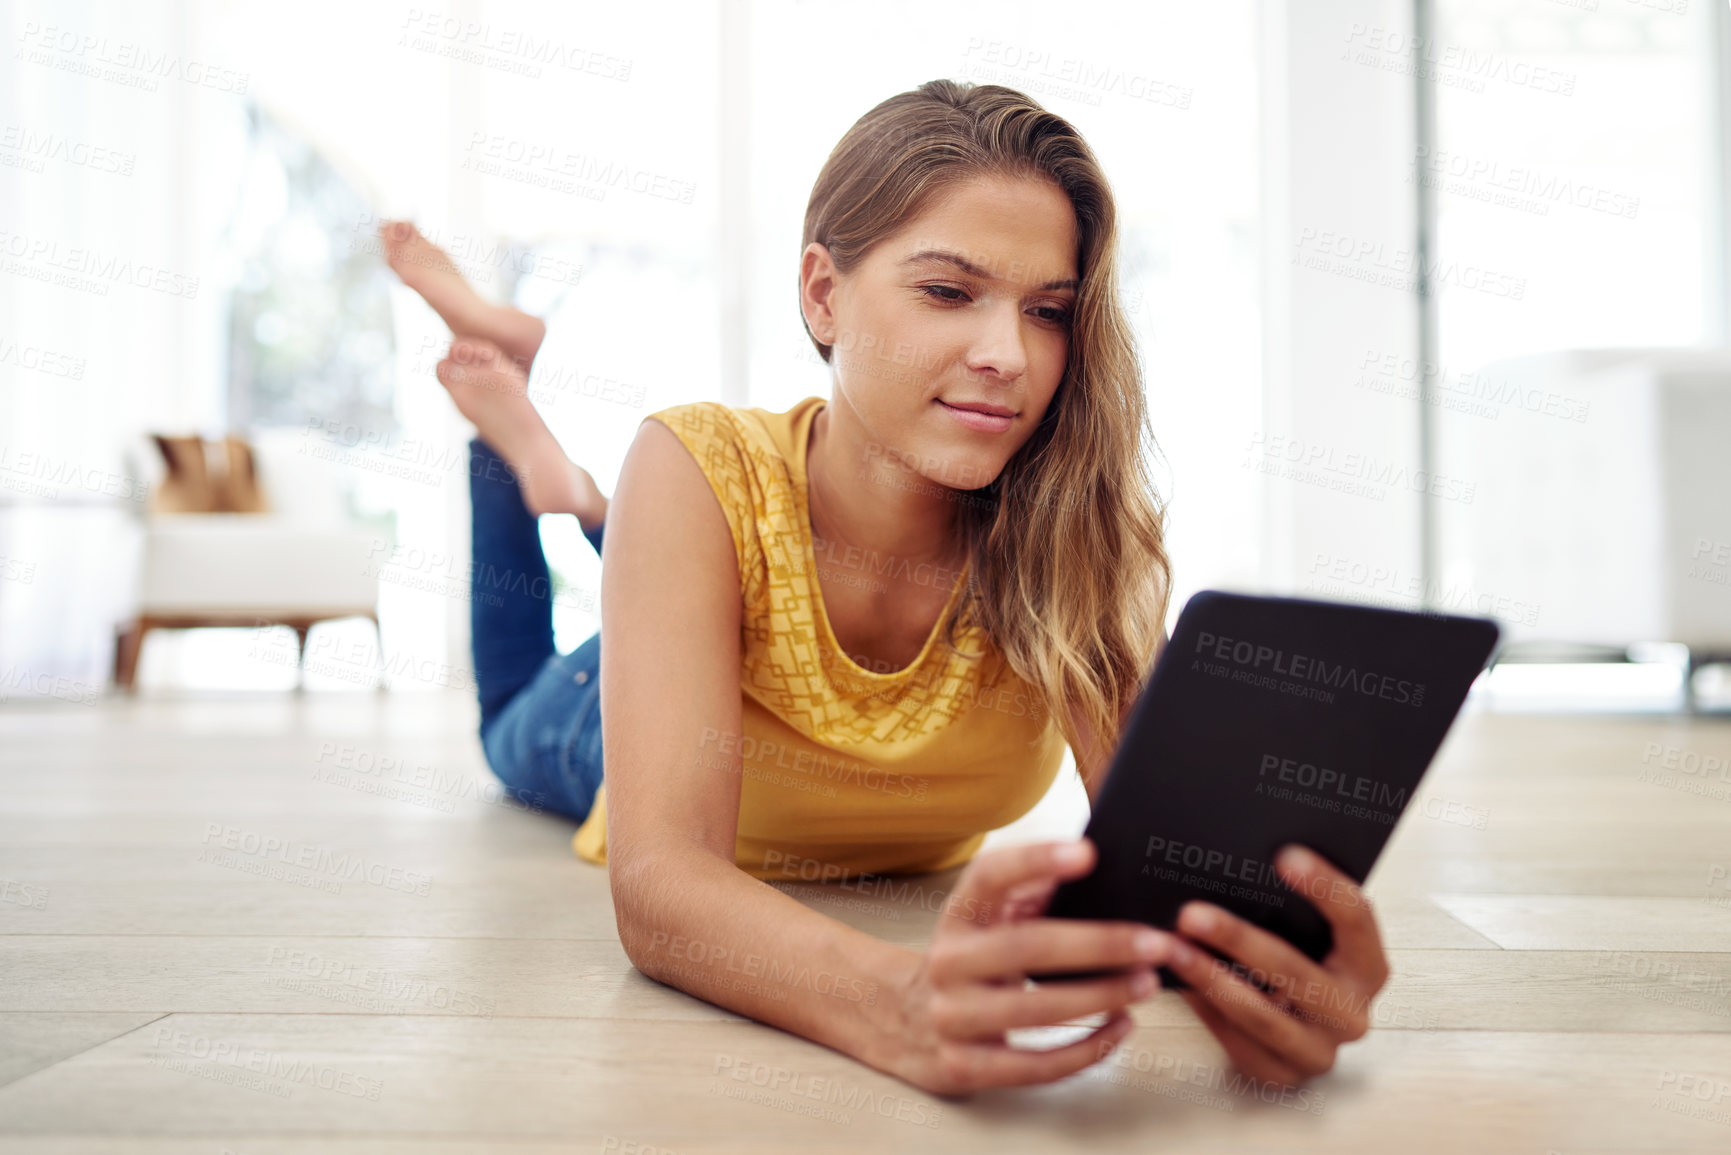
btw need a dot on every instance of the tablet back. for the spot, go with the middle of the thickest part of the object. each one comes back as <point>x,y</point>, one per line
<point>1270,720</point>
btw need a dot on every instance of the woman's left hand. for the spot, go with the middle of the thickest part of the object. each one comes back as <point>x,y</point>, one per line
<point>1291,1031</point>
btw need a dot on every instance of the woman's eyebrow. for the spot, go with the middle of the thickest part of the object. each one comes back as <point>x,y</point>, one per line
<point>974,270</point>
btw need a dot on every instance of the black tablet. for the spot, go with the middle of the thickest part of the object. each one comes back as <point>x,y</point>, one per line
<point>1270,720</point>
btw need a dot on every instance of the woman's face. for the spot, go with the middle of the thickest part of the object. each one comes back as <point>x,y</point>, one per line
<point>969,305</point>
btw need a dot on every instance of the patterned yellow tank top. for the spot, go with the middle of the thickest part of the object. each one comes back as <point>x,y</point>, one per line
<point>846,768</point>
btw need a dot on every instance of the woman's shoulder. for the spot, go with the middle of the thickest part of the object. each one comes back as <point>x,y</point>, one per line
<point>764,434</point>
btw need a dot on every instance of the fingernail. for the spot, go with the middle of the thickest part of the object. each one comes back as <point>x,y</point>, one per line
<point>1142,985</point>
<point>1296,858</point>
<point>1071,854</point>
<point>1183,954</point>
<point>1151,944</point>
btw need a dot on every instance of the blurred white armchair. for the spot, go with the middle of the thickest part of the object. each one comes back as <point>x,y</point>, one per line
<point>305,561</point>
<point>1604,497</point>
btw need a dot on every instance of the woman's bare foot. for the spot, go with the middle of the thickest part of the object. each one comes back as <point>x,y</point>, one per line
<point>430,271</point>
<point>492,391</point>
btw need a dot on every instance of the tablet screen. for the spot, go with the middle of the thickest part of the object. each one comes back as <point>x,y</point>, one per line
<point>1270,720</point>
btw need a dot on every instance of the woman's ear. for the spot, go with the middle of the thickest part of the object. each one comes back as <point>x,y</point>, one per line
<point>817,284</point>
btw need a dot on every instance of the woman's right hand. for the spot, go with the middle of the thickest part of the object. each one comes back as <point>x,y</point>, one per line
<point>971,985</point>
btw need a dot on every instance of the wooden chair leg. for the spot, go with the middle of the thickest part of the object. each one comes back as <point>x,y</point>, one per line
<point>379,644</point>
<point>301,629</point>
<point>127,647</point>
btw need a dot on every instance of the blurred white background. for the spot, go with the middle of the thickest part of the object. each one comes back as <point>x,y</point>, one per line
<point>189,193</point>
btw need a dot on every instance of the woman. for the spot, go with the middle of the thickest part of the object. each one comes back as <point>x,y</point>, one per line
<point>999,592</point>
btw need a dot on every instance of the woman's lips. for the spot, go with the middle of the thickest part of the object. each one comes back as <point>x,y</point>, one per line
<point>984,422</point>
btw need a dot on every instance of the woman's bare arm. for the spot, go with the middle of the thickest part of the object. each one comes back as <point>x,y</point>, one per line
<point>687,915</point>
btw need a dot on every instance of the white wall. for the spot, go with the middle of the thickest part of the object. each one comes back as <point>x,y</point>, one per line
<point>1337,139</point>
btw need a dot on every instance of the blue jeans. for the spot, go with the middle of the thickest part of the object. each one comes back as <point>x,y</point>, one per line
<point>540,709</point>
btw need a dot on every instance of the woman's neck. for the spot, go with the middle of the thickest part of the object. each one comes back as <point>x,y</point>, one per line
<point>872,501</point>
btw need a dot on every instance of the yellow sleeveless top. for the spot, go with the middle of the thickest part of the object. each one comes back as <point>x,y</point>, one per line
<point>846,769</point>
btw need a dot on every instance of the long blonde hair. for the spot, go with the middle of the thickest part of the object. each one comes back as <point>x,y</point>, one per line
<point>1070,576</point>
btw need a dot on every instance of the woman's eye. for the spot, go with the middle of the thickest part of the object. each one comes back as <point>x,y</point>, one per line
<point>1056,315</point>
<point>938,291</point>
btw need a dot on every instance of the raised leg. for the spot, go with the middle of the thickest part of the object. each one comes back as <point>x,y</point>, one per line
<point>539,710</point>
<point>430,271</point>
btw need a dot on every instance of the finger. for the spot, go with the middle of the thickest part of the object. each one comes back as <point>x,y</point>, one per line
<point>1284,972</point>
<point>978,1012</point>
<point>1357,941</point>
<point>980,1065</point>
<point>1028,899</point>
<point>1047,945</point>
<point>1246,1053</point>
<point>1304,1047</point>
<point>991,877</point>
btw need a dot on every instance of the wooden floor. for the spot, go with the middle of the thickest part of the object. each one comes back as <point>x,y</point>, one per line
<point>221,935</point>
